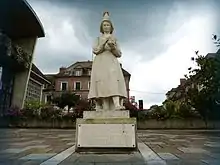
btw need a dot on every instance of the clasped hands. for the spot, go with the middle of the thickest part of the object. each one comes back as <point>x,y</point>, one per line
<point>110,41</point>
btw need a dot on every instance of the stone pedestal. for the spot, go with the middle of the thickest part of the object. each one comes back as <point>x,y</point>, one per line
<point>106,131</point>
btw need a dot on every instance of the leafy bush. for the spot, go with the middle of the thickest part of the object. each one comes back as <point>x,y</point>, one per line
<point>32,109</point>
<point>51,113</point>
<point>71,116</point>
<point>133,109</point>
<point>14,114</point>
<point>185,111</point>
<point>171,108</point>
<point>82,105</point>
<point>14,111</point>
<point>32,104</point>
<point>158,113</point>
<point>66,99</point>
<point>141,115</point>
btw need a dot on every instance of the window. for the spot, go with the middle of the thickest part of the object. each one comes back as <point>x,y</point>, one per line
<point>64,86</point>
<point>33,91</point>
<point>1,69</point>
<point>48,98</point>
<point>89,83</point>
<point>77,86</point>
<point>66,72</point>
<point>89,72</point>
<point>78,73</point>
<point>78,96</point>
<point>45,86</point>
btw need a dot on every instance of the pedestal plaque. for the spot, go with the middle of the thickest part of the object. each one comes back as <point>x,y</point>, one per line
<point>110,134</point>
<point>106,135</point>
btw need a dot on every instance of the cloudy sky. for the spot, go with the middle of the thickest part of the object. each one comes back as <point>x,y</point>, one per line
<point>157,37</point>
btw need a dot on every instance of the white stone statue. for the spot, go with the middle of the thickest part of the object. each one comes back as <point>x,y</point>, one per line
<point>107,81</point>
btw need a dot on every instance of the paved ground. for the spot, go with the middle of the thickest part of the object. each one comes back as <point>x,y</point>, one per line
<point>159,147</point>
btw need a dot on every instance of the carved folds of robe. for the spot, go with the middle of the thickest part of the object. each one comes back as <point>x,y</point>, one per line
<point>106,77</point>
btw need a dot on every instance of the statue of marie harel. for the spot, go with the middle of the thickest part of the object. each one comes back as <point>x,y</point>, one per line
<point>107,81</point>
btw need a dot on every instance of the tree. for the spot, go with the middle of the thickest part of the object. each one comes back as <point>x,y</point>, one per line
<point>66,99</point>
<point>83,105</point>
<point>206,80</point>
<point>216,40</point>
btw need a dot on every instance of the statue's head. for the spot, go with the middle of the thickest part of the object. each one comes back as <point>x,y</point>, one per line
<point>106,25</point>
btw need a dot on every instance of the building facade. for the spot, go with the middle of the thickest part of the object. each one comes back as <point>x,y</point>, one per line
<point>37,82</point>
<point>75,78</point>
<point>19,30</point>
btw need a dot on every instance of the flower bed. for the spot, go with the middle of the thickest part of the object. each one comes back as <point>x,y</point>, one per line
<point>147,124</point>
<point>50,117</point>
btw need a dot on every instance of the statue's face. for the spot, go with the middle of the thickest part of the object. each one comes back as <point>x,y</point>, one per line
<point>106,26</point>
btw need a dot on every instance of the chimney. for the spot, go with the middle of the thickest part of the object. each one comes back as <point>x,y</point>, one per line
<point>182,81</point>
<point>62,69</point>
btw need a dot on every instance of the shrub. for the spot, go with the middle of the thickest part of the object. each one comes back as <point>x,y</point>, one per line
<point>71,116</point>
<point>170,107</point>
<point>82,105</point>
<point>51,113</point>
<point>14,114</point>
<point>185,111</point>
<point>32,109</point>
<point>30,113</point>
<point>158,113</point>
<point>33,104</point>
<point>66,99</point>
<point>141,115</point>
<point>133,109</point>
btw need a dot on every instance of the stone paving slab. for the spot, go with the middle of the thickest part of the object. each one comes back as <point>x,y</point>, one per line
<point>104,159</point>
<point>42,156</point>
<point>175,147</point>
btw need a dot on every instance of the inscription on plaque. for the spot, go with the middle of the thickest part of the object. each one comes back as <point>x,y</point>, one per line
<point>106,135</point>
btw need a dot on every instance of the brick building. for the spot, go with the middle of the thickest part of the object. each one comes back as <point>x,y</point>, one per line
<point>75,78</point>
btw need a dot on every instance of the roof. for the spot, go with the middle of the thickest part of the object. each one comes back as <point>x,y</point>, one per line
<point>213,55</point>
<point>172,90</point>
<point>50,77</point>
<point>18,19</point>
<point>35,69</point>
<point>210,55</point>
<point>84,64</point>
<point>88,64</point>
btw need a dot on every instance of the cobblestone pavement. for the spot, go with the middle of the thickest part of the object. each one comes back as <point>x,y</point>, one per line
<point>50,146</point>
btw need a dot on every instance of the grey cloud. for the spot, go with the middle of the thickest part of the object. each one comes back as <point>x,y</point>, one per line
<point>150,97</point>
<point>49,61</point>
<point>144,28</point>
<point>143,25</point>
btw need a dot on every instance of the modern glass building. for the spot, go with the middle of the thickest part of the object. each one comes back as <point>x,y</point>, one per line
<point>19,30</point>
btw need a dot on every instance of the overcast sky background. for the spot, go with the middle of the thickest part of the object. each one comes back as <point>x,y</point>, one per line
<point>157,37</point>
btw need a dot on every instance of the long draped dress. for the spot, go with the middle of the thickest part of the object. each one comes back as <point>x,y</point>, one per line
<point>107,79</point>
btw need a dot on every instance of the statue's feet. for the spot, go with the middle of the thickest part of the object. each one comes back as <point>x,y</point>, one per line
<point>119,108</point>
<point>122,107</point>
<point>98,108</point>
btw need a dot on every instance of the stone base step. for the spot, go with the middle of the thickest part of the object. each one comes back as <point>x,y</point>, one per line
<point>106,114</point>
